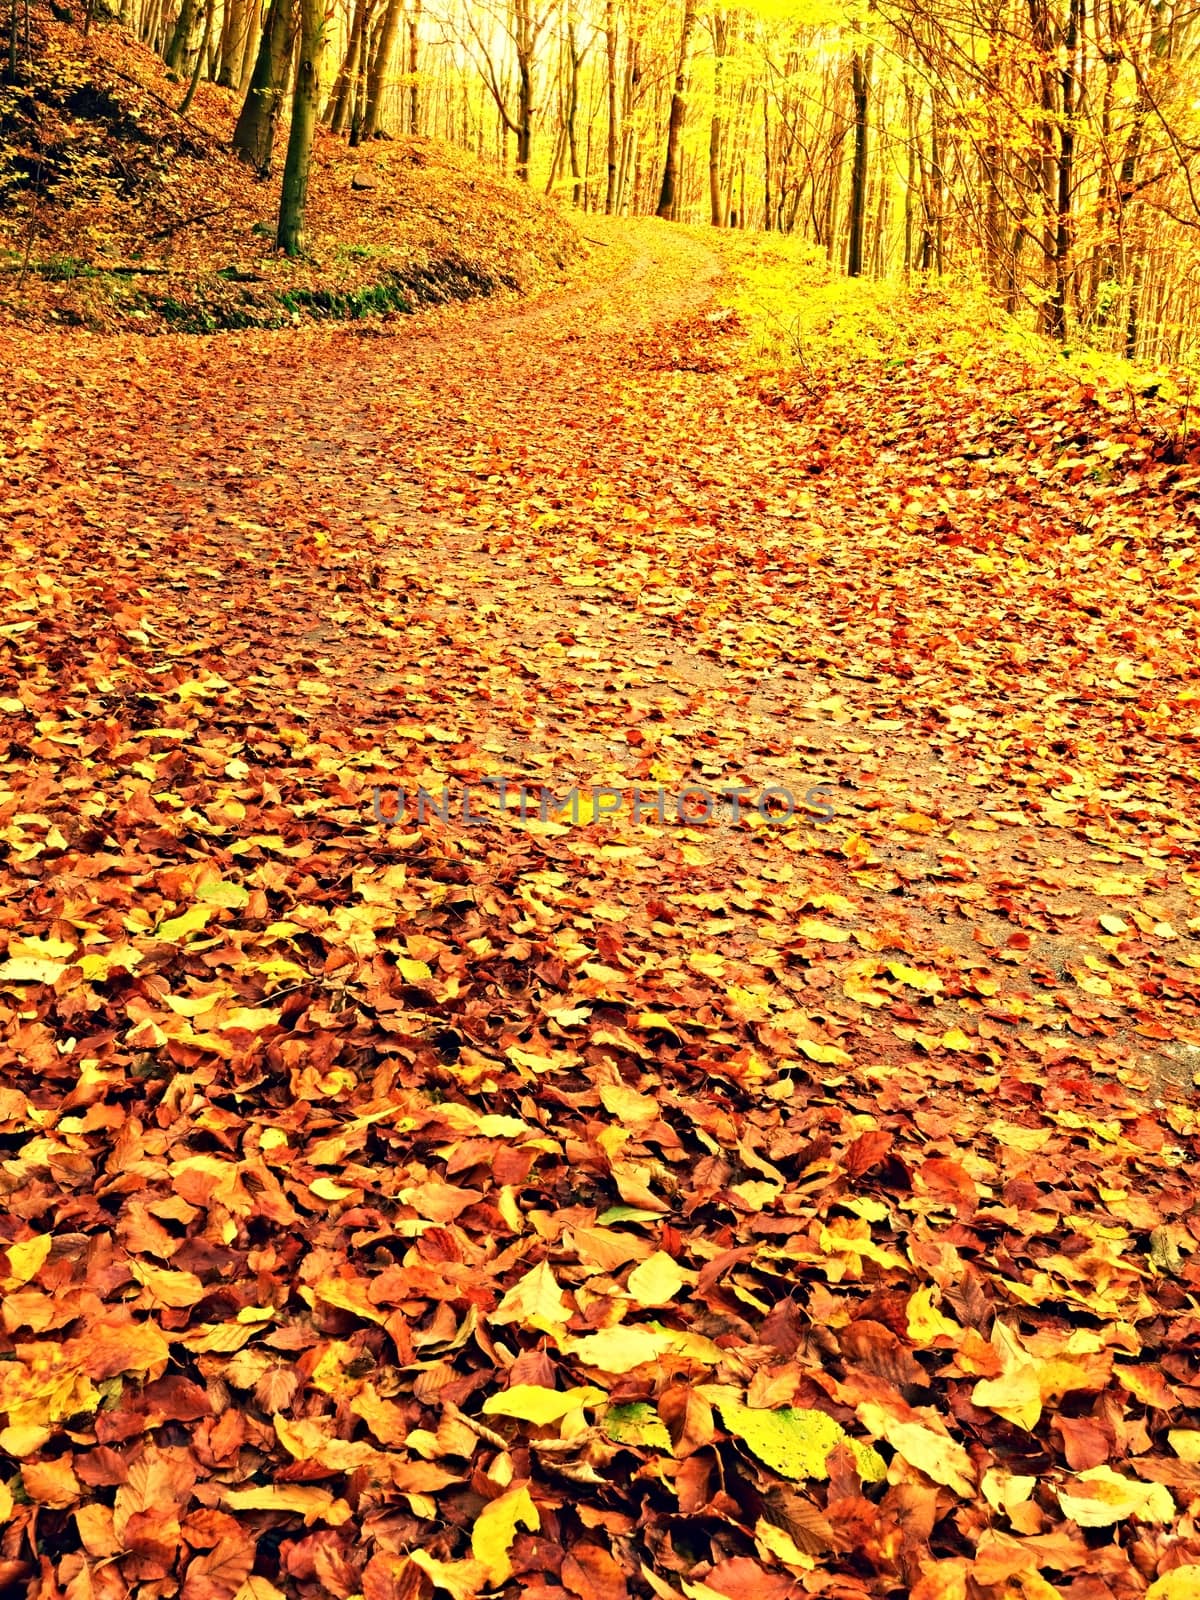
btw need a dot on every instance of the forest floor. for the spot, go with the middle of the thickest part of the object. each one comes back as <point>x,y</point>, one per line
<point>753,1206</point>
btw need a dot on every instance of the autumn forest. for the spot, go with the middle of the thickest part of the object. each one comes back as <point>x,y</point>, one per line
<point>599,754</point>
<point>1045,150</point>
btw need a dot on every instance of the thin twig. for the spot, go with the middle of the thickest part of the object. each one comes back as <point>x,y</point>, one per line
<point>186,222</point>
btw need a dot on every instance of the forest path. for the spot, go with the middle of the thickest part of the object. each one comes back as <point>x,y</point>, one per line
<point>565,545</point>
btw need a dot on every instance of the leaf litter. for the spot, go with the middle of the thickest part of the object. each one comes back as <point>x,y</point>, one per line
<point>629,1208</point>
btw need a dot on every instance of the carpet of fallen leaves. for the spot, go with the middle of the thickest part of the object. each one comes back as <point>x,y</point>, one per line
<point>626,1208</point>
<point>116,212</point>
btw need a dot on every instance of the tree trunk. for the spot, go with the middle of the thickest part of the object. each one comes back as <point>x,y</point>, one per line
<point>254,136</point>
<point>373,127</point>
<point>229,46</point>
<point>305,102</point>
<point>668,195</point>
<point>860,70</point>
<point>767,207</point>
<point>358,82</point>
<point>337,111</point>
<point>180,36</point>
<point>254,23</point>
<point>524,36</point>
<point>576,58</point>
<point>993,229</point>
<point>1064,226</point>
<point>414,99</point>
<point>610,45</point>
<point>716,200</point>
<point>208,27</point>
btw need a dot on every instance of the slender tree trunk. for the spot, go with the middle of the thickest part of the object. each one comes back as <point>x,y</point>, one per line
<point>910,184</point>
<point>358,82</point>
<point>574,60</point>
<point>254,24</point>
<point>524,32</point>
<point>1133,315</point>
<point>668,195</point>
<point>1063,221</point>
<point>337,110</point>
<point>610,46</point>
<point>231,19</point>
<point>210,8</point>
<point>414,99</point>
<point>937,184</point>
<point>305,105</point>
<point>993,231</point>
<point>254,135</point>
<point>524,119</point>
<point>767,206</point>
<point>860,69</point>
<point>380,67</point>
<point>716,199</point>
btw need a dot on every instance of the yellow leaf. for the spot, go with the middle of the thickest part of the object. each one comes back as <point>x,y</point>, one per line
<point>658,1279</point>
<point>1004,1491</point>
<point>915,822</point>
<point>1181,1583</point>
<point>646,1020</point>
<point>25,1259</point>
<point>744,1005</point>
<point>535,1301</point>
<point>571,1016</point>
<point>824,932</point>
<point>1016,1396</point>
<point>461,1579</point>
<point>627,1105</point>
<point>705,962</point>
<point>620,1349</point>
<point>252,1019</point>
<point>826,1055</point>
<point>782,1546</point>
<point>414,971</point>
<point>177,1289</point>
<point>794,1441</point>
<point>6,1502</point>
<point>304,1499</point>
<point>1106,1497</point>
<point>926,1323</point>
<point>258,1589</point>
<point>935,1454</point>
<point>326,1189</point>
<point>496,1528</point>
<point>1186,1444</point>
<point>23,1438</point>
<point>926,982</point>
<point>533,1402</point>
<point>219,892</point>
<point>1016,1137</point>
<point>190,921</point>
<point>31,969</point>
<point>56,949</point>
<point>956,1039</point>
<point>1114,884</point>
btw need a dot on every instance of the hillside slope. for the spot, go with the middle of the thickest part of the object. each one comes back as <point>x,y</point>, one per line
<point>115,211</point>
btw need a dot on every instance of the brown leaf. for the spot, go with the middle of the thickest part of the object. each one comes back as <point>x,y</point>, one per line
<point>592,1574</point>
<point>219,1573</point>
<point>688,1419</point>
